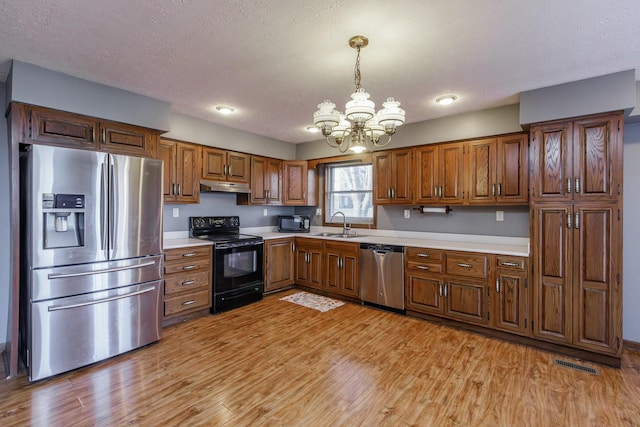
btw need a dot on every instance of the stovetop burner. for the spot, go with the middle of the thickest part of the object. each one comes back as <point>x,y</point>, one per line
<point>220,229</point>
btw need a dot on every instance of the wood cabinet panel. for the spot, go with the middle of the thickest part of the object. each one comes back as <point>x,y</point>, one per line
<point>165,153</point>
<point>392,177</point>
<point>181,304</point>
<point>223,165</point>
<point>185,254</point>
<point>342,268</point>
<point>481,171</point>
<point>510,302</point>
<point>174,284</point>
<point>551,156</point>
<point>451,168</point>
<point>424,294</point>
<point>181,181</point>
<point>60,128</point>
<point>187,281</point>
<point>266,182</point>
<point>426,173</point>
<point>238,167</point>
<point>295,182</point>
<point>309,262</point>
<point>512,169</point>
<point>466,264</point>
<point>466,300</point>
<point>120,138</point>
<point>279,263</point>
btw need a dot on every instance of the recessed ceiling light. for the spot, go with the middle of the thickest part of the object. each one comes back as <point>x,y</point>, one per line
<point>312,129</point>
<point>223,109</point>
<point>446,99</point>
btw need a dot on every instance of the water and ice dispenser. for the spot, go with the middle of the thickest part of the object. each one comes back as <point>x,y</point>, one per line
<point>63,220</point>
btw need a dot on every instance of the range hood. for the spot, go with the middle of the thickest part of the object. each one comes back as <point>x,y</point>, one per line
<point>223,186</point>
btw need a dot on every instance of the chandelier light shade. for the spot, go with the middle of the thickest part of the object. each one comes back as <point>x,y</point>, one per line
<point>360,128</point>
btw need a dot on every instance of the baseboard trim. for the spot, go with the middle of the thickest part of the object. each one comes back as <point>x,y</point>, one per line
<point>631,345</point>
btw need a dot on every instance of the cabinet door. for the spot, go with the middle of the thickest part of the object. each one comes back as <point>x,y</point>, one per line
<point>166,153</point>
<point>552,290</point>
<point>510,302</point>
<point>426,174</point>
<point>273,181</point>
<point>315,268</point>
<point>482,186</point>
<point>301,265</point>
<point>237,167</point>
<point>332,277</point>
<point>512,170</point>
<point>551,162</point>
<point>382,177</point>
<point>597,292</point>
<point>61,128</point>
<point>350,285</point>
<point>401,173</point>
<point>259,180</point>
<point>597,158</point>
<point>187,167</point>
<point>278,264</point>
<point>450,165</point>
<point>295,182</point>
<point>466,300</point>
<point>424,294</point>
<point>120,138</point>
<point>214,162</point>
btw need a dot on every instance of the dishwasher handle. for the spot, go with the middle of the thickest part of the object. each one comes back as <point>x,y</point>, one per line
<point>381,248</point>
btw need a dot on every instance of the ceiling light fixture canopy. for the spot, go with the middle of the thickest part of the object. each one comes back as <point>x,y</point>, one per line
<point>446,99</point>
<point>223,109</point>
<point>360,128</point>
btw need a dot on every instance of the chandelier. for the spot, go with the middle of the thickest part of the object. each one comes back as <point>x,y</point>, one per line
<point>359,128</point>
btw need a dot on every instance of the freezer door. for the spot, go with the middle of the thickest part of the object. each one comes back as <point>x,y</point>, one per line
<point>68,333</point>
<point>49,171</point>
<point>135,207</point>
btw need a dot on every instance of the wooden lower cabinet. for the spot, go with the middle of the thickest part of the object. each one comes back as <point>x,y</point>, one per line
<point>308,262</point>
<point>466,300</point>
<point>342,268</point>
<point>279,257</point>
<point>424,293</point>
<point>510,310</point>
<point>187,282</point>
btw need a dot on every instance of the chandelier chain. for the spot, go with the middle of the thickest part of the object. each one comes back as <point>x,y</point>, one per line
<point>356,73</point>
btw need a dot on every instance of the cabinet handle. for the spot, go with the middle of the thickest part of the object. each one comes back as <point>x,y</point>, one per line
<point>393,193</point>
<point>577,186</point>
<point>340,264</point>
<point>179,190</point>
<point>446,285</point>
<point>568,185</point>
<point>510,264</point>
<point>440,192</point>
<point>308,258</point>
<point>440,289</point>
<point>493,190</point>
<point>304,194</point>
<point>499,189</point>
<point>188,267</point>
<point>173,189</point>
<point>425,255</point>
<point>188,302</point>
<point>92,134</point>
<point>464,265</point>
<point>188,282</point>
<point>293,247</point>
<point>104,135</point>
<point>498,286</point>
<point>189,254</point>
<point>229,171</point>
<point>577,221</point>
<point>435,191</point>
<point>422,267</point>
<point>568,220</point>
<point>267,194</point>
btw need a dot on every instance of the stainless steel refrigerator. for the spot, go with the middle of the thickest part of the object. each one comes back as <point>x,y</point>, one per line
<point>91,274</point>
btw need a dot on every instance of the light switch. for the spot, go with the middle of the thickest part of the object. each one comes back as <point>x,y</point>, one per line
<point>318,211</point>
<point>499,215</point>
<point>265,213</point>
<point>407,213</point>
<point>176,212</point>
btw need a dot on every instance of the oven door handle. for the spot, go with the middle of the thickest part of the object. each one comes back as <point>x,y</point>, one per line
<point>99,301</point>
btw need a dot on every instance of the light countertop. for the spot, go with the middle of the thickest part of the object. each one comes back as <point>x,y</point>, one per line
<point>184,243</point>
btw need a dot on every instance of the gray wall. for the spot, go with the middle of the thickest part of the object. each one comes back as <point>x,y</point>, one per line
<point>39,86</point>
<point>611,92</point>
<point>190,129</point>
<point>476,124</point>
<point>5,248</point>
<point>223,204</point>
<point>631,234</point>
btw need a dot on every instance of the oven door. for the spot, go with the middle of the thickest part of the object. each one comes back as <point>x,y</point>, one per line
<point>236,267</point>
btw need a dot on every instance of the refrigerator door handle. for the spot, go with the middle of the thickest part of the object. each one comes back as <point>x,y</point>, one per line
<point>106,270</point>
<point>104,202</point>
<point>94,302</point>
<point>111,208</point>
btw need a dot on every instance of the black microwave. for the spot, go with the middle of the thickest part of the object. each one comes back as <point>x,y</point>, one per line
<point>294,223</point>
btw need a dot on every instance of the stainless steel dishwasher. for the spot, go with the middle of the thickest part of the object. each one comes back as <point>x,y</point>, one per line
<point>382,275</point>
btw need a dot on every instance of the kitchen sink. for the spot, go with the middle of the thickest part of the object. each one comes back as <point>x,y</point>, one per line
<point>337,235</point>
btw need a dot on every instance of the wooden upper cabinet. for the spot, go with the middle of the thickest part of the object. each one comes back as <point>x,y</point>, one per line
<point>295,182</point>
<point>392,177</point>
<point>450,174</point>
<point>47,126</point>
<point>481,171</point>
<point>426,174</point>
<point>266,182</point>
<point>577,160</point>
<point>223,165</point>
<point>181,182</point>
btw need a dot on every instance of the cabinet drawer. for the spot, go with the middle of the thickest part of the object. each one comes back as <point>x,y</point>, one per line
<point>193,301</point>
<point>430,256</point>
<point>423,267</point>
<point>186,282</point>
<point>504,262</point>
<point>468,265</point>
<point>187,266</point>
<point>187,253</point>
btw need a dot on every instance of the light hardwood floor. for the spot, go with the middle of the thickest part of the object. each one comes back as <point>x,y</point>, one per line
<point>276,363</point>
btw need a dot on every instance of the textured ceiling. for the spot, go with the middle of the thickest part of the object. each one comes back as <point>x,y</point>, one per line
<point>275,60</point>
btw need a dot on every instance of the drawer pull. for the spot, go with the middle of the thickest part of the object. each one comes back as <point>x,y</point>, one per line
<point>422,267</point>
<point>425,255</point>
<point>188,282</point>
<point>189,254</point>
<point>463,265</point>
<point>509,264</point>
<point>188,267</point>
<point>188,302</point>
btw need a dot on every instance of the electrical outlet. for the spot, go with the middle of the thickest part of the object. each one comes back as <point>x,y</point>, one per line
<point>176,212</point>
<point>264,212</point>
<point>318,211</point>
<point>499,215</point>
<point>407,213</point>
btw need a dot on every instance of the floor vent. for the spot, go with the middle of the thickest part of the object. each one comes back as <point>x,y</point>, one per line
<point>576,366</point>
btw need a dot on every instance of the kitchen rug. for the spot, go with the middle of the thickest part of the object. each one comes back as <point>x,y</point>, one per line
<point>314,301</point>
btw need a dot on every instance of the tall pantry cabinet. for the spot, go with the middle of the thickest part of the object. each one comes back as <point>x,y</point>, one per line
<point>576,232</point>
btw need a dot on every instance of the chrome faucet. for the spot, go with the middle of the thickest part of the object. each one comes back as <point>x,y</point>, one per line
<point>345,231</point>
